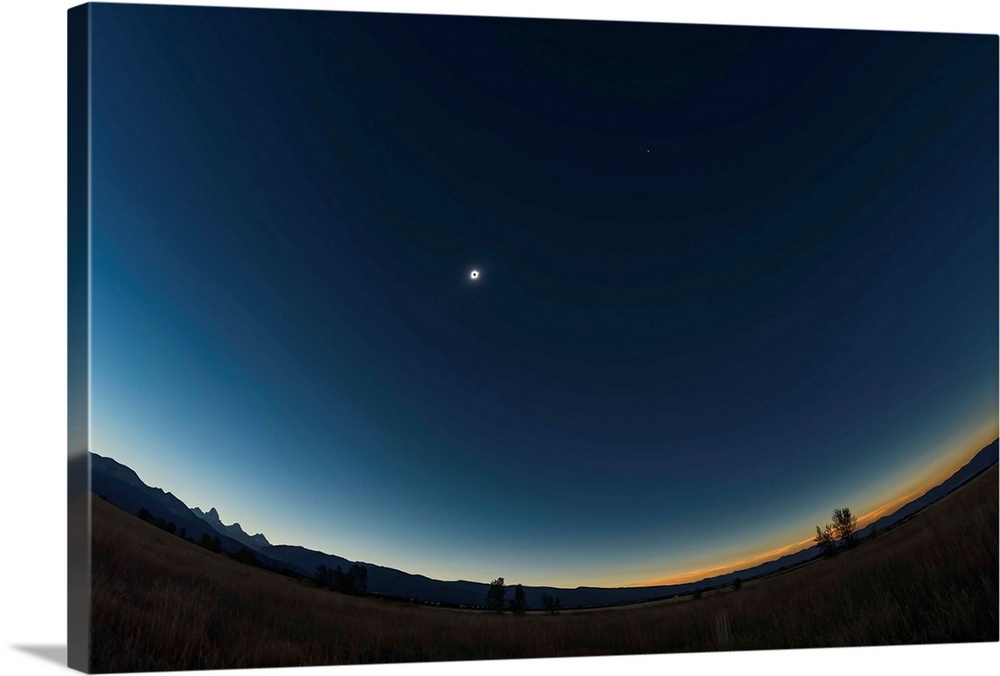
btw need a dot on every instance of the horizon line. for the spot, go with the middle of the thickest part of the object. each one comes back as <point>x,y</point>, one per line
<point>928,483</point>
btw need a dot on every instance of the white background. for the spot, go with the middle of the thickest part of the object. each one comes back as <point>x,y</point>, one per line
<point>33,335</point>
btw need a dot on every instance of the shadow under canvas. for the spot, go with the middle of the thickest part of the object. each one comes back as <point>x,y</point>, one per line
<point>49,653</point>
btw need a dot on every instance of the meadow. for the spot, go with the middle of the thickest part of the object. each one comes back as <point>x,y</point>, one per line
<point>162,603</point>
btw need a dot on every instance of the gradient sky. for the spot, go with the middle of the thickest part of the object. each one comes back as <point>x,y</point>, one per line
<point>731,278</point>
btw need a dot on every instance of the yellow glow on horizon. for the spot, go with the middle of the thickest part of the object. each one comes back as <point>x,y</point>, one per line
<point>948,462</point>
<point>702,573</point>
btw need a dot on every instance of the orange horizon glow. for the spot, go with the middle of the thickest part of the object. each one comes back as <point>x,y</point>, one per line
<point>749,562</point>
<point>932,476</point>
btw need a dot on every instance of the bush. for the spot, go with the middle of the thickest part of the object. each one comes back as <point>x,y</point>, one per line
<point>210,543</point>
<point>247,556</point>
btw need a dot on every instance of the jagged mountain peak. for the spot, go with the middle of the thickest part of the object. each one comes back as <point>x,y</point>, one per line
<point>235,531</point>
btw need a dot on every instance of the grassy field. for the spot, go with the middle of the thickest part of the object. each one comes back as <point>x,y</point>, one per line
<point>162,603</point>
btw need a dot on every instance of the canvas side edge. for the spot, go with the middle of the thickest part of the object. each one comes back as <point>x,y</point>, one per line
<point>78,338</point>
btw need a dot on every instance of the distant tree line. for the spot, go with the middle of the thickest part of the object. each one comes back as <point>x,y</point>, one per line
<point>170,527</point>
<point>551,603</point>
<point>354,581</point>
<point>245,554</point>
<point>213,544</point>
<point>842,532</point>
<point>497,602</point>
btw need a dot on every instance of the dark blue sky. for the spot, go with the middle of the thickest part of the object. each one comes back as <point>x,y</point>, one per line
<point>731,278</point>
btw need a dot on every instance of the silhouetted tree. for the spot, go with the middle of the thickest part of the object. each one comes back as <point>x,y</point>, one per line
<point>844,528</point>
<point>495,595</point>
<point>144,514</point>
<point>826,540</point>
<point>551,604</point>
<point>845,524</point>
<point>737,584</point>
<point>363,580</point>
<point>357,579</point>
<point>323,576</point>
<point>697,593</point>
<point>518,604</point>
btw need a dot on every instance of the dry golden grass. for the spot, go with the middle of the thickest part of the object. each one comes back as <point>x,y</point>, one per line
<point>162,603</point>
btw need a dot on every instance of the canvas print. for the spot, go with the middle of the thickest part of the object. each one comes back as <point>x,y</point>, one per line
<point>416,338</point>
